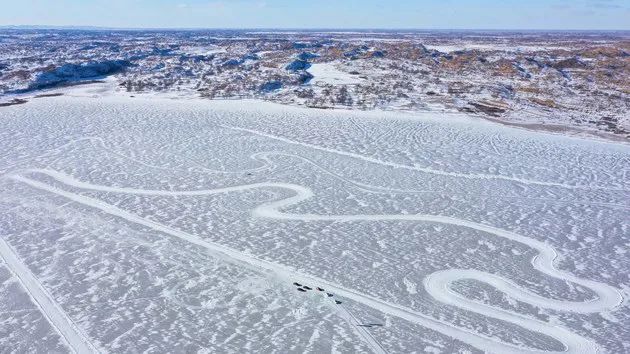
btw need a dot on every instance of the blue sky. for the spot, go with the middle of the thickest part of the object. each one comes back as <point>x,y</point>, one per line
<point>429,14</point>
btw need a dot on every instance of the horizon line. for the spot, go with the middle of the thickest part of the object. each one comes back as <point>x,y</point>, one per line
<point>299,29</point>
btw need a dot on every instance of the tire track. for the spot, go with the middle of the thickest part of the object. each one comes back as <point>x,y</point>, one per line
<point>56,316</point>
<point>473,176</point>
<point>437,284</point>
<point>266,163</point>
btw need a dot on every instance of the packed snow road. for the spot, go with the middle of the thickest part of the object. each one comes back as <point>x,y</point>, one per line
<point>167,225</point>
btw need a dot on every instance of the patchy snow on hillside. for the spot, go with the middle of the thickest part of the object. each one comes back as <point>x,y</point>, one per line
<point>453,47</point>
<point>570,83</point>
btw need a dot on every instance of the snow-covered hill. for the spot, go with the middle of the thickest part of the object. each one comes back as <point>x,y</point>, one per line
<point>564,82</point>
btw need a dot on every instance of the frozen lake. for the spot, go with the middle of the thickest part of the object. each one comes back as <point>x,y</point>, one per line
<point>159,225</point>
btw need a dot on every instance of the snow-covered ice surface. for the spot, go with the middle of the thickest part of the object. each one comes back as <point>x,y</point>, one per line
<point>163,225</point>
<point>328,73</point>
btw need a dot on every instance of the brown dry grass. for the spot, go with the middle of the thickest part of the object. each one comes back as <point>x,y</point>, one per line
<point>544,102</point>
<point>529,89</point>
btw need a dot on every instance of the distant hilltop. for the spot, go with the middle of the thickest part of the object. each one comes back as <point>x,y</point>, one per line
<point>315,30</point>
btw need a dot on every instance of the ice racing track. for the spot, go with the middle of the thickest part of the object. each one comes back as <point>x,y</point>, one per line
<point>437,284</point>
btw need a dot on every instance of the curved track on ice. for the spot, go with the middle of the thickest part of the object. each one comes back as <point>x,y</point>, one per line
<point>265,163</point>
<point>471,176</point>
<point>436,284</point>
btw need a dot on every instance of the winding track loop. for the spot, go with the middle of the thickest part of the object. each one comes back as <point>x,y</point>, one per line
<point>436,284</point>
<point>470,176</point>
<point>266,163</point>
